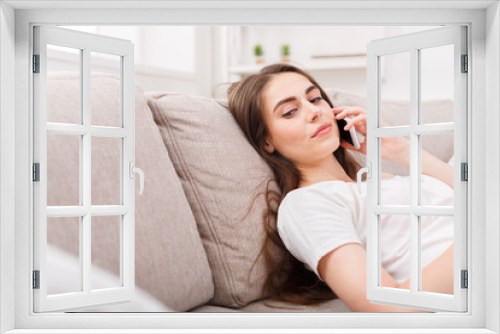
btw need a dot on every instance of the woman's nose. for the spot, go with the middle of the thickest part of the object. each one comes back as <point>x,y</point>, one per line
<point>314,113</point>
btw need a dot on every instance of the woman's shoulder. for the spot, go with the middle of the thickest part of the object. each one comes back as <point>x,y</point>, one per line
<point>326,192</point>
<point>319,187</point>
<point>324,202</point>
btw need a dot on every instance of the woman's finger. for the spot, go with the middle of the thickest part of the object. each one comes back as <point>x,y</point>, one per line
<point>359,122</point>
<point>350,111</point>
<point>339,108</point>
<point>359,127</point>
<point>348,146</point>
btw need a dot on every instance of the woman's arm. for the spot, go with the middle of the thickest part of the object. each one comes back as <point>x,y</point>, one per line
<point>431,165</point>
<point>344,270</point>
<point>435,167</point>
<point>437,276</point>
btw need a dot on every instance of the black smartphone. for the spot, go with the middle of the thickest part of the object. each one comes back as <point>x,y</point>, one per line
<point>345,135</point>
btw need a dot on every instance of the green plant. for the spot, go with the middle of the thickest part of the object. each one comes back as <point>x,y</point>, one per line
<point>285,50</point>
<point>258,50</point>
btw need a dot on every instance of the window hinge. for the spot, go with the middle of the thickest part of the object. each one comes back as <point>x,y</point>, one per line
<point>36,172</point>
<point>465,279</point>
<point>465,171</point>
<point>36,63</point>
<point>36,279</point>
<point>465,64</point>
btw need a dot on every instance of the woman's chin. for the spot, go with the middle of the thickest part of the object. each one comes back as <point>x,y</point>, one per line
<point>335,146</point>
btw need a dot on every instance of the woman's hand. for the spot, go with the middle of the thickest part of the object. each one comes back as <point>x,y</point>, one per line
<point>396,149</point>
<point>359,121</point>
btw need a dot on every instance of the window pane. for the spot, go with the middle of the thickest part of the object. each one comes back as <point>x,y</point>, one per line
<point>63,255</point>
<point>395,180</point>
<point>436,238</point>
<point>63,169</point>
<point>436,191</point>
<point>395,86</point>
<point>395,247</point>
<point>105,98</point>
<point>106,158</point>
<point>437,83</point>
<point>106,252</point>
<point>63,68</point>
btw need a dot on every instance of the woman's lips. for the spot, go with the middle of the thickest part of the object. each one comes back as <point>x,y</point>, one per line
<point>322,130</point>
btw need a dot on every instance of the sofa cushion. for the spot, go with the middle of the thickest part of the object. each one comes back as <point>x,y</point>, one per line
<point>330,306</point>
<point>171,263</point>
<point>397,113</point>
<point>221,174</point>
<point>268,305</point>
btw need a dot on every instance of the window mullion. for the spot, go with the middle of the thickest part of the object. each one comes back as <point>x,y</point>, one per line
<point>127,119</point>
<point>414,170</point>
<point>85,180</point>
<point>81,130</point>
<point>80,211</point>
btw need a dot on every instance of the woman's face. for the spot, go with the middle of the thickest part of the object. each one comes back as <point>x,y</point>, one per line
<point>300,123</point>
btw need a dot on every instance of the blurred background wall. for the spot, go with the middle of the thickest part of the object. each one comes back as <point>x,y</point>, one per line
<point>201,60</point>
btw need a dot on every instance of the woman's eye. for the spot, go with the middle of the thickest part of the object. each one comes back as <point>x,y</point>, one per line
<point>319,98</point>
<point>289,113</point>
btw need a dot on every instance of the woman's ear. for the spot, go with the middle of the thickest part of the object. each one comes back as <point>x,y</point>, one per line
<point>268,147</point>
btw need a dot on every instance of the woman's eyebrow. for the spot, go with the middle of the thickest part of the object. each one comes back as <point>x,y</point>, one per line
<point>310,88</point>
<point>293,98</point>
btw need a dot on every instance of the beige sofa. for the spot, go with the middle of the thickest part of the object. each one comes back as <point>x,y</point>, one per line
<point>197,234</point>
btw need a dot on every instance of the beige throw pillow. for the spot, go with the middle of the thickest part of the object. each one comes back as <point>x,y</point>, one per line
<point>221,174</point>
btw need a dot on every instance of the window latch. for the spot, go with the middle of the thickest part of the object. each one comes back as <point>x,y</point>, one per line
<point>132,171</point>
<point>367,170</point>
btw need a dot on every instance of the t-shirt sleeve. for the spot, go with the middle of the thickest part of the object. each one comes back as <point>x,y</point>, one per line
<point>313,223</point>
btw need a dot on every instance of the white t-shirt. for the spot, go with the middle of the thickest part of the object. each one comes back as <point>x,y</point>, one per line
<point>314,220</point>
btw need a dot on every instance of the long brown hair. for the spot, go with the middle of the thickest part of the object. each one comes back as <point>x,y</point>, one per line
<point>287,279</point>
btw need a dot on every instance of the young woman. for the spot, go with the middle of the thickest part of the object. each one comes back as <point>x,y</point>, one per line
<point>321,219</point>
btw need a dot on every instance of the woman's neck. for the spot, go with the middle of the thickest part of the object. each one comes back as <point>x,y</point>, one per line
<point>325,170</point>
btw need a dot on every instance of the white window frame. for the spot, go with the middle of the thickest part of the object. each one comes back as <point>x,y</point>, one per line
<point>483,246</point>
<point>86,44</point>
<point>413,44</point>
